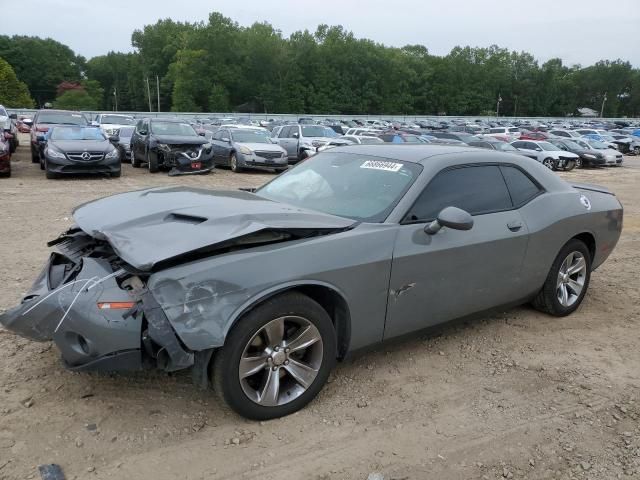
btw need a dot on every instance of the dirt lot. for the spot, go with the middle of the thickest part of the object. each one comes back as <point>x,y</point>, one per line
<point>515,395</point>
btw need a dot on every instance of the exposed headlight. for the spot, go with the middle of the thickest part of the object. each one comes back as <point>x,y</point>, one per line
<point>316,143</point>
<point>164,146</point>
<point>112,154</point>
<point>245,151</point>
<point>589,156</point>
<point>50,152</point>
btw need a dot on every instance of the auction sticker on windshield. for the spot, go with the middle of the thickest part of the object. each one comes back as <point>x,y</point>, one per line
<point>379,165</point>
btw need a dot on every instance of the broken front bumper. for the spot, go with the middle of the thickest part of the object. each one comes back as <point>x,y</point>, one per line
<point>66,311</point>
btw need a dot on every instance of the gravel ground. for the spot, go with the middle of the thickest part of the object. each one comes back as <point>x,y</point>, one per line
<point>514,395</point>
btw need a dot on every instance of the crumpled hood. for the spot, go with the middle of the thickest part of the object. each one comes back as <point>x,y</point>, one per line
<point>155,225</point>
<point>180,139</point>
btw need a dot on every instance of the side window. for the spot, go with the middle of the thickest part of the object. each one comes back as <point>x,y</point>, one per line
<point>530,145</point>
<point>140,126</point>
<point>476,189</point>
<point>286,132</point>
<point>521,187</point>
<point>518,144</point>
<point>275,131</point>
<point>217,135</point>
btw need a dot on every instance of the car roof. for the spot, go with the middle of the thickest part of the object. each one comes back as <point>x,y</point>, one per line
<point>415,153</point>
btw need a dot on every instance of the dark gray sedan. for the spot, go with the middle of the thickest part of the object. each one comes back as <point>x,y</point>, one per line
<point>259,293</point>
<point>245,147</point>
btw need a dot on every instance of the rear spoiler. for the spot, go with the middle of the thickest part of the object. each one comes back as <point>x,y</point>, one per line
<point>592,188</point>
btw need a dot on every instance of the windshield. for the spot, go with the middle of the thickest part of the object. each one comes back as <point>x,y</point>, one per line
<point>597,144</point>
<point>349,185</point>
<point>117,119</point>
<point>76,133</point>
<point>62,118</point>
<point>505,147</point>
<point>250,136</point>
<point>126,132</point>
<point>547,146</point>
<point>571,144</point>
<point>317,131</point>
<point>173,128</point>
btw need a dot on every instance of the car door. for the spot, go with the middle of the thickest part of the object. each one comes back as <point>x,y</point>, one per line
<point>454,273</point>
<point>288,142</point>
<point>141,134</point>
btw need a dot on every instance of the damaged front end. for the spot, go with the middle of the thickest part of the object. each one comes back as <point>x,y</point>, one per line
<point>185,159</point>
<point>97,311</point>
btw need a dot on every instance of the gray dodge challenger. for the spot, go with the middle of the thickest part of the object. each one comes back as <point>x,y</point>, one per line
<point>258,293</point>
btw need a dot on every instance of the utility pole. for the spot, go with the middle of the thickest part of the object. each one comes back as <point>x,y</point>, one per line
<point>158,90</point>
<point>148,94</point>
<point>115,96</point>
<point>604,99</point>
<point>515,108</point>
<point>498,106</point>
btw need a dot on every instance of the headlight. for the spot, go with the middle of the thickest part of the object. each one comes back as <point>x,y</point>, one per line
<point>245,151</point>
<point>54,153</point>
<point>112,154</point>
<point>588,155</point>
<point>316,143</point>
<point>164,147</point>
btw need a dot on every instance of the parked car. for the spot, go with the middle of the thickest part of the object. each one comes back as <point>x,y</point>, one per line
<point>611,155</point>
<point>110,123</point>
<point>125,135</point>
<point>564,133</point>
<point>400,137</point>
<point>530,135</point>
<point>491,144</point>
<point>24,124</point>
<point>300,141</point>
<point>8,125</point>
<point>460,136</point>
<point>359,131</point>
<point>45,119</point>
<point>363,139</point>
<point>512,132</point>
<point>601,138</point>
<point>586,156</point>
<point>627,143</point>
<point>551,156</point>
<point>80,149</point>
<point>171,145</point>
<point>5,155</point>
<point>262,291</point>
<point>242,148</point>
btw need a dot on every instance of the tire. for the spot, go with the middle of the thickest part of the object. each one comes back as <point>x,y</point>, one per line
<point>280,170</point>
<point>636,151</point>
<point>13,144</point>
<point>549,163</point>
<point>570,165</point>
<point>117,174</point>
<point>579,163</point>
<point>135,163</point>
<point>548,299</point>
<point>50,175</point>
<point>233,163</point>
<point>152,162</point>
<point>35,156</point>
<point>248,338</point>
<point>42,161</point>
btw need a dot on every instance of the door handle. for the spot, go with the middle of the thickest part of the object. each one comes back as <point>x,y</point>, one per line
<point>514,225</point>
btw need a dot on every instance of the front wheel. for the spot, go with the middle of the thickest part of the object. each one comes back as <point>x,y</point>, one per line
<point>233,162</point>
<point>135,163</point>
<point>579,162</point>
<point>567,281</point>
<point>276,358</point>
<point>152,162</point>
<point>636,151</point>
<point>549,163</point>
<point>570,165</point>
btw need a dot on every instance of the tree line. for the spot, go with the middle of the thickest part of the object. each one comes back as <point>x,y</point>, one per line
<point>221,66</point>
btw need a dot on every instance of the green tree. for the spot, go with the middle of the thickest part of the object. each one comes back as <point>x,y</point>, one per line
<point>13,92</point>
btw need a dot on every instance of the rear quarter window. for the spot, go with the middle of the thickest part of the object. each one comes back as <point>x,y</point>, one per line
<point>521,187</point>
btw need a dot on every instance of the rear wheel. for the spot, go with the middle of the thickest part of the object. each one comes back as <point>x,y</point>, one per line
<point>579,162</point>
<point>567,281</point>
<point>570,165</point>
<point>276,358</point>
<point>135,163</point>
<point>35,156</point>
<point>636,151</point>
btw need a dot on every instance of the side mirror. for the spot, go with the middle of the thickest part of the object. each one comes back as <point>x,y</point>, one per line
<point>13,116</point>
<point>226,139</point>
<point>538,149</point>
<point>296,135</point>
<point>451,217</point>
<point>201,134</point>
<point>114,138</point>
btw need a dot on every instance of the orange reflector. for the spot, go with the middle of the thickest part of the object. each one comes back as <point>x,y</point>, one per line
<point>115,305</point>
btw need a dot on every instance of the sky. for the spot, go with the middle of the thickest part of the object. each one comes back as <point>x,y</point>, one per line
<point>577,31</point>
